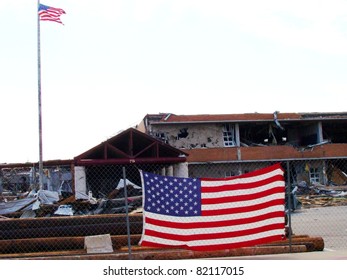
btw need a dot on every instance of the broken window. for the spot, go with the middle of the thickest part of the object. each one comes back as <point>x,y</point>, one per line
<point>161,136</point>
<point>335,132</point>
<point>314,175</point>
<point>260,134</point>
<point>229,173</point>
<point>229,135</point>
<point>308,134</point>
<point>183,133</point>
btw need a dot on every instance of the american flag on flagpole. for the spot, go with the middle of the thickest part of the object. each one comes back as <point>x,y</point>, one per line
<point>50,14</point>
<point>214,213</point>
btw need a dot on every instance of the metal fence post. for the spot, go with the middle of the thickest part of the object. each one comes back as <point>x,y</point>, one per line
<point>289,207</point>
<point>127,212</point>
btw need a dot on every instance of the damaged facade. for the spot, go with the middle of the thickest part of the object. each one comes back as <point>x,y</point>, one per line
<point>238,143</point>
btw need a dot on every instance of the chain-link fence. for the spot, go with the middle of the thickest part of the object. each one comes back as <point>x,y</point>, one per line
<point>80,201</point>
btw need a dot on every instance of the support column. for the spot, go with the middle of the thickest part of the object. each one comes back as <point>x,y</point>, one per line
<point>181,170</point>
<point>320,133</point>
<point>163,172</point>
<point>80,182</point>
<point>169,171</point>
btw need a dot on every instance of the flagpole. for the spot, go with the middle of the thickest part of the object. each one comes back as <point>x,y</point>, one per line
<point>39,97</point>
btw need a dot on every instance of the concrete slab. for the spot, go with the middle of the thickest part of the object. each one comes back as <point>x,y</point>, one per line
<point>98,244</point>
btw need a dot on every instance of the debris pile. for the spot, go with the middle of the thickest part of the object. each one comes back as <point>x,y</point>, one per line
<point>46,203</point>
<point>322,201</point>
<point>317,195</point>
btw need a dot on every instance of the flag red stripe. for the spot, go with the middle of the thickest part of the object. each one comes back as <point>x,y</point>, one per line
<point>51,19</point>
<point>235,245</point>
<point>255,173</point>
<point>213,224</point>
<point>212,236</point>
<point>249,243</point>
<point>244,197</point>
<point>243,209</point>
<point>240,186</point>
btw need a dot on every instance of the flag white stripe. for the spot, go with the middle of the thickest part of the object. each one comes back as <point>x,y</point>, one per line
<point>213,230</point>
<point>52,13</point>
<point>49,17</point>
<point>200,219</point>
<point>230,205</point>
<point>242,192</point>
<point>211,242</point>
<point>247,180</point>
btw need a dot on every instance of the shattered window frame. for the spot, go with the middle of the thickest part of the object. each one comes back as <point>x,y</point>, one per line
<point>161,136</point>
<point>229,135</point>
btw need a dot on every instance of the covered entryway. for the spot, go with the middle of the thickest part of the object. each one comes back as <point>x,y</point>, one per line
<point>100,169</point>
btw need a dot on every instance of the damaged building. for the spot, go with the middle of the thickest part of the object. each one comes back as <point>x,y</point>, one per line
<point>314,145</point>
<point>232,144</point>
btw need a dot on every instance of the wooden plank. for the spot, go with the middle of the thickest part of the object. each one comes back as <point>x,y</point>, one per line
<point>13,223</point>
<point>72,230</point>
<point>155,254</point>
<point>313,243</point>
<point>47,244</point>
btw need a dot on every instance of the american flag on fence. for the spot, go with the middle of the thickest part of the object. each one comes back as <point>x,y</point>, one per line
<point>50,13</point>
<point>213,214</point>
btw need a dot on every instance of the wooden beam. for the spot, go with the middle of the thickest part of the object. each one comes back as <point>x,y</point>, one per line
<point>147,148</point>
<point>47,244</point>
<point>116,150</point>
<point>165,160</point>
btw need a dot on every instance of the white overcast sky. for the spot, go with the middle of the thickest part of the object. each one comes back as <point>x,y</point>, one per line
<point>114,61</point>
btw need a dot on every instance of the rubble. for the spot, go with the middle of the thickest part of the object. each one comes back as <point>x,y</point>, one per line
<point>317,195</point>
<point>45,203</point>
<point>310,201</point>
